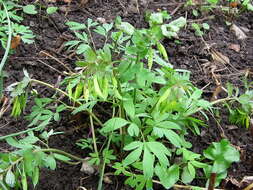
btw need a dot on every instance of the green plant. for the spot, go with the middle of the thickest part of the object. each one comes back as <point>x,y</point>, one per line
<point>16,28</point>
<point>151,105</point>
<point>27,160</point>
<point>240,114</point>
<point>9,29</point>
<point>199,28</point>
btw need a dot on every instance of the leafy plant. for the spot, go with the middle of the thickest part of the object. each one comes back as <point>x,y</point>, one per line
<point>151,105</point>
<point>199,28</point>
<point>240,114</point>
<point>25,162</point>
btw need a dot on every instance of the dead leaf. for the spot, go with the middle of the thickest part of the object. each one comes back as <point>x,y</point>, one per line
<point>231,127</point>
<point>235,47</point>
<point>15,41</point>
<point>219,57</point>
<point>246,181</point>
<point>238,32</point>
<point>216,93</point>
<point>234,4</point>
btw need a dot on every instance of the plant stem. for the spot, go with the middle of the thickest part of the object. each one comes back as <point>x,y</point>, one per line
<point>50,86</point>
<point>61,152</point>
<point>6,53</point>
<point>213,103</point>
<point>2,185</point>
<point>19,133</point>
<point>93,135</point>
<point>100,183</point>
<point>9,40</point>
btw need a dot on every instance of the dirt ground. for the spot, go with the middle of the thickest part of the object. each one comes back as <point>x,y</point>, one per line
<point>51,32</point>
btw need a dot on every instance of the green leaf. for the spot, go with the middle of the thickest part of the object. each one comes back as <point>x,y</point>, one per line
<point>133,145</point>
<point>50,162</point>
<point>198,164</point>
<point>213,1</point>
<point>75,25</point>
<point>24,179</point>
<point>168,177</point>
<point>126,27</point>
<point>170,30</point>
<point>61,157</point>
<point>97,87</point>
<point>133,156</point>
<point>186,175</point>
<point>30,9</point>
<point>162,50</point>
<point>81,49</point>
<point>160,151</point>
<point>223,154</point>
<point>128,105</point>
<point>156,18</point>
<point>113,124</point>
<point>191,169</point>
<point>206,26</point>
<point>100,30</point>
<point>173,138</point>
<point>148,163</point>
<point>133,130</point>
<point>84,107</point>
<point>51,10</point>
<point>35,177</point>
<point>10,178</point>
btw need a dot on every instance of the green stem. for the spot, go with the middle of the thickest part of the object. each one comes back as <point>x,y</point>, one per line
<point>93,135</point>
<point>50,86</point>
<point>9,40</point>
<point>100,183</point>
<point>61,152</point>
<point>2,185</point>
<point>19,133</point>
<point>213,103</point>
<point>6,53</point>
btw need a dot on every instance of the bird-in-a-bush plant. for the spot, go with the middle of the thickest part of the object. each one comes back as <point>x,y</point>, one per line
<point>134,100</point>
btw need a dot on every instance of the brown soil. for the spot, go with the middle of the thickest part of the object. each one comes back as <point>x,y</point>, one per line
<point>51,33</point>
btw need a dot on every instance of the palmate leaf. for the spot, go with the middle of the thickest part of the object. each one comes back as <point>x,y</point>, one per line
<point>223,154</point>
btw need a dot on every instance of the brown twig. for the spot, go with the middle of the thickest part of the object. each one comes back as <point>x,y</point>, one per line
<point>57,60</point>
<point>176,9</point>
<point>56,70</point>
<point>201,19</point>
